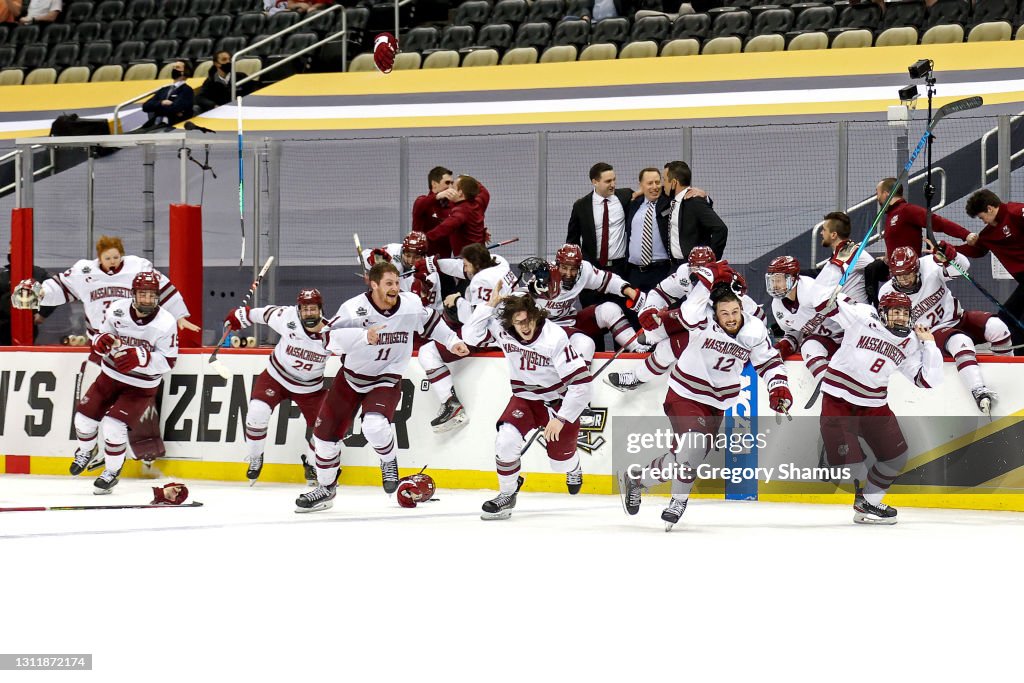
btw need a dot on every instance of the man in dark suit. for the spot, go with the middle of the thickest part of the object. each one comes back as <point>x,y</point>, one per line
<point>690,218</point>
<point>647,236</point>
<point>598,221</point>
<point>172,103</point>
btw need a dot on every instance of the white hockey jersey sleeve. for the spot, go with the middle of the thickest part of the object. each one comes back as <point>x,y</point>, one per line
<point>925,368</point>
<point>477,327</point>
<point>437,329</point>
<point>170,298</point>
<point>572,369</point>
<point>271,316</point>
<point>601,280</point>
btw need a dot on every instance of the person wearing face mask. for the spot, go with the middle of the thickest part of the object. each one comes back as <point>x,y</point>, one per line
<point>295,371</point>
<point>172,103</point>
<point>38,274</point>
<point>216,89</point>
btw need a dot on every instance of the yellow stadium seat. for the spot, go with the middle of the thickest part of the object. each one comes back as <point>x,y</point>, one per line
<point>559,53</point>
<point>850,39</point>
<point>407,61</point>
<point>943,33</point>
<point>682,47</point>
<point>639,50</point>
<point>12,77</point>
<point>815,40</point>
<point>520,55</point>
<point>107,72</point>
<point>903,35</point>
<point>203,70</point>
<point>143,72</point>
<point>486,57</point>
<point>990,31</point>
<point>442,59</point>
<point>724,45</point>
<point>43,76</point>
<point>362,63</point>
<point>74,74</point>
<point>599,51</point>
<point>769,42</point>
<point>249,65</point>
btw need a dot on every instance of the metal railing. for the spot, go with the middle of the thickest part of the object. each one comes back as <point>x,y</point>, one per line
<point>289,29</point>
<point>985,170</point>
<point>15,158</point>
<point>118,129</point>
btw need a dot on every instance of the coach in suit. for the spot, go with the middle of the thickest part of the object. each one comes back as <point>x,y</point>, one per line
<point>689,216</point>
<point>647,235</point>
<point>172,103</point>
<point>598,221</point>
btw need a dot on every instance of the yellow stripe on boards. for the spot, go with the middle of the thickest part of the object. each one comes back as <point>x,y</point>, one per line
<point>71,96</point>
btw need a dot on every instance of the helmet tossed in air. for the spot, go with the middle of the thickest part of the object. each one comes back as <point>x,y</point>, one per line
<point>782,276</point>
<point>904,267</point>
<point>569,255</point>
<point>540,278</point>
<point>146,281</point>
<point>894,310</point>
<point>310,297</point>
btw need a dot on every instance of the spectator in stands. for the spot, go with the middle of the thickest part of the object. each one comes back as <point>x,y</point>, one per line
<point>172,103</point>
<point>605,9</point>
<point>216,89</point>
<point>431,209</point>
<point>42,11</point>
<point>38,274</point>
<point>465,223</point>
<point>272,7</point>
<point>1003,235</point>
<point>647,233</point>
<point>598,221</point>
<point>10,10</point>
<point>691,220</point>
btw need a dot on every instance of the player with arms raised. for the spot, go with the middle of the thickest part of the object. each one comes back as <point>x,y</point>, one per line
<point>138,343</point>
<point>550,388</point>
<point>294,371</point>
<point>373,333</point>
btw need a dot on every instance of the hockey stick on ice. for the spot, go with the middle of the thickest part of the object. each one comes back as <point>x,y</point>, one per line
<point>217,365</point>
<point>100,507</point>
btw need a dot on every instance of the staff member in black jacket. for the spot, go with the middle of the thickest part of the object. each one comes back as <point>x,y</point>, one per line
<point>691,221</point>
<point>172,103</point>
<point>598,221</point>
<point>216,89</point>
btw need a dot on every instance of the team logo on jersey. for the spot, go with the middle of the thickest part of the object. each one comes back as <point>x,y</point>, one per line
<point>360,311</point>
<point>271,392</point>
<point>844,449</point>
<point>291,326</point>
<point>86,270</point>
<point>1006,230</point>
<point>518,414</point>
<point>118,313</point>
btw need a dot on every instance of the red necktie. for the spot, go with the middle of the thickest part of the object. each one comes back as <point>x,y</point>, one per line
<point>604,236</point>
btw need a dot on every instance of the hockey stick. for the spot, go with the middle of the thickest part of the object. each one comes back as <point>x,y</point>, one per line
<point>617,354</point>
<point>241,182</point>
<point>359,254</point>
<point>495,245</point>
<point>217,365</point>
<point>101,507</point>
<point>963,273</point>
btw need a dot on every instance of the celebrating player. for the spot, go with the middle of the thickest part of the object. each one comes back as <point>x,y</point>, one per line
<point>855,389</point>
<point>550,388</point>
<point>404,257</point>
<point>375,355</point>
<point>938,311</point>
<point>295,371</point>
<point>138,343</point>
<point>835,235</point>
<point>705,382</point>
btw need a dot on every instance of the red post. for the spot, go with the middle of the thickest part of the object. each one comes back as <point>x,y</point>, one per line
<point>21,269</point>
<point>186,265</point>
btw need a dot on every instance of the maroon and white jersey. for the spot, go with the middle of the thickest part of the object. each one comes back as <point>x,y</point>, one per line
<point>87,282</point>
<point>710,368</point>
<point>869,354</point>
<point>832,272</point>
<point>677,286</point>
<point>933,305</point>
<point>367,367</point>
<point>562,309</point>
<point>405,275</point>
<point>157,334</point>
<point>480,285</point>
<point>805,316</point>
<point>299,358</point>
<point>546,368</point>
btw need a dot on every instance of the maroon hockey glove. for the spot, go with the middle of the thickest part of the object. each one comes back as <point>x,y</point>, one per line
<point>780,399</point>
<point>785,347</point>
<point>104,343</point>
<point>385,47</point>
<point>131,358</point>
<point>423,289</point>
<point>650,318</point>
<point>723,272</point>
<point>738,284</point>
<point>379,255</point>
<point>171,494</point>
<point>944,252</point>
<point>238,318</point>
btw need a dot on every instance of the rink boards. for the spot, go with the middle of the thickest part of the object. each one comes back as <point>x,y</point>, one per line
<point>958,458</point>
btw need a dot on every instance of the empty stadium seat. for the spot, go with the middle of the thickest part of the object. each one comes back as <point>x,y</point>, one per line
<point>12,77</point>
<point>733,23</point>
<point>267,49</point>
<point>31,56</point>
<point>249,24</point>
<point>900,13</point>
<point>26,34</point>
<point>992,11</point>
<point>990,31</point>
<point>1020,33</point>
<point>900,35</point>
<point>599,51</point>
<point>639,49</point>
<point>442,59</point>
<point>407,61</point>
<point>108,11</point>
<point>722,45</point>
<point>7,56</point>
<point>74,74</point>
<point>512,12</point>
<point>815,19</point>
<point>107,73</point>
<point>62,56</point>
<point>299,41</point>
<point>546,10</point>
<point>283,20</point>
<point>559,53</point>
<point>766,42</point>
<point>324,23</point>
<point>41,76</point>
<point>55,33</point>
<point>421,38</point>
<point>473,13</point>
<point>851,38</point>
<point>196,48</point>
<point>943,34</point>
<point>139,10</point>
<point>230,44</point>
<point>128,51</point>
<point>87,31</point>
<point>356,21</point>
<point>520,55</point>
<point>215,26</point>
<point>183,28</point>
<point>575,32</point>
<point>141,72</point>
<point>579,8</point>
<point>119,30</point>
<point>481,57</point>
<point>4,30</point>
<point>498,36</point>
<point>171,10</point>
<point>681,47</point>
<point>535,34</point>
<point>203,8</point>
<point>165,72</point>
<point>812,40</point>
<point>96,54</point>
<point>774,21</point>
<point>614,30</point>
<point>456,38</point>
<point>77,12</point>
<point>362,63</point>
<point>691,26</point>
<point>235,6</point>
<point>945,12</point>
<point>656,28</point>
<point>865,15</point>
<point>162,50</point>
<point>149,30</point>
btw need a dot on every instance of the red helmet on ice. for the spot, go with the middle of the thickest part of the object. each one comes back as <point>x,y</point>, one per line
<point>904,267</point>
<point>894,309</point>
<point>312,297</point>
<point>415,243</point>
<point>416,488</point>
<point>146,281</point>
<point>701,256</point>
<point>782,276</point>
<point>568,257</point>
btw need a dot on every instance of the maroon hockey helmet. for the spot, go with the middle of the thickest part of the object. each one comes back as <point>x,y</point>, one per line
<point>415,243</point>
<point>416,488</point>
<point>904,266</point>
<point>782,276</point>
<point>145,281</point>
<point>307,297</point>
<point>569,255</point>
<point>701,256</point>
<point>894,309</point>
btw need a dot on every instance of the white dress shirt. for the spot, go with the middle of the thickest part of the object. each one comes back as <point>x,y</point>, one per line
<point>616,226</point>
<point>673,223</point>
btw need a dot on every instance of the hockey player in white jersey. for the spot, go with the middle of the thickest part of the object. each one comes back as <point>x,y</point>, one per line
<point>551,386</point>
<point>138,344</point>
<point>373,333</point>
<point>934,306</point>
<point>484,272</point>
<point>835,235</point>
<point>705,381</point>
<point>798,307</point>
<point>661,322</point>
<point>855,389</point>
<point>404,257</point>
<point>294,371</point>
